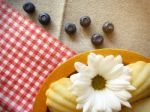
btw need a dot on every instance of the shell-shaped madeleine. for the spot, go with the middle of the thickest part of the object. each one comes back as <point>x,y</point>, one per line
<point>139,106</point>
<point>59,98</point>
<point>140,79</point>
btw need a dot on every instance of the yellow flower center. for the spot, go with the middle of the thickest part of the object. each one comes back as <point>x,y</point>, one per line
<point>98,82</point>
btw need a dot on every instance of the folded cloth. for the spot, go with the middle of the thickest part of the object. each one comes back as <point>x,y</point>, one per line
<point>27,55</point>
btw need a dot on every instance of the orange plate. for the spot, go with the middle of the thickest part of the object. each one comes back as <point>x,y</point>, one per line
<point>67,68</point>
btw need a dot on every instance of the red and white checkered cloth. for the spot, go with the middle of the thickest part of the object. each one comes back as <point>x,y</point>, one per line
<point>27,55</point>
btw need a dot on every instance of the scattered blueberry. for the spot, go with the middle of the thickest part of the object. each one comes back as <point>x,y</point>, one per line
<point>29,7</point>
<point>108,27</point>
<point>44,18</point>
<point>85,21</point>
<point>97,39</point>
<point>70,28</point>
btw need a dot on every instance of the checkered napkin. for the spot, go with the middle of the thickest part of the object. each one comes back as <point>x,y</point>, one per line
<point>27,55</point>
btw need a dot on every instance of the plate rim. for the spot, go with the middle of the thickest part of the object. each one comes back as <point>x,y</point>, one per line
<point>51,78</point>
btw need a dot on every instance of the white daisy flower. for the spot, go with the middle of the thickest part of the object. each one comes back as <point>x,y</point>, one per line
<point>102,85</point>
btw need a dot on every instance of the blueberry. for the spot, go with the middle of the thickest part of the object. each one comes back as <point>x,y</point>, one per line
<point>85,21</point>
<point>44,18</point>
<point>29,7</point>
<point>108,27</point>
<point>70,28</point>
<point>97,39</point>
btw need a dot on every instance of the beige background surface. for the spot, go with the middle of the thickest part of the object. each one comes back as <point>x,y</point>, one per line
<point>53,8</point>
<point>131,19</point>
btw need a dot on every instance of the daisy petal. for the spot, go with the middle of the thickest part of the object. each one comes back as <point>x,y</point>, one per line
<point>106,64</point>
<point>82,83</point>
<point>80,77</point>
<point>93,60</point>
<point>125,77</point>
<point>79,106</point>
<point>84,70</point>
<point>125,103</point>
<point>81,89</point>
<point>115,102</point>
<point>87,105</point>
<point>131,88</point>
<point>115,72</point>
<point>82,101</point>
<point>115,88</point>
<point>117,84</point>
<point>118,59</point>
<point>94,110</point>
<point>80,67</point>
<point>85,96</point>
<point>108,110</point>
<point>75,77</point>
<point>123,95</point>
<point>100,103</point>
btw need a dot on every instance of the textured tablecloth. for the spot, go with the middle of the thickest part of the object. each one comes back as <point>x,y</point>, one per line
<point>27,55</point>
